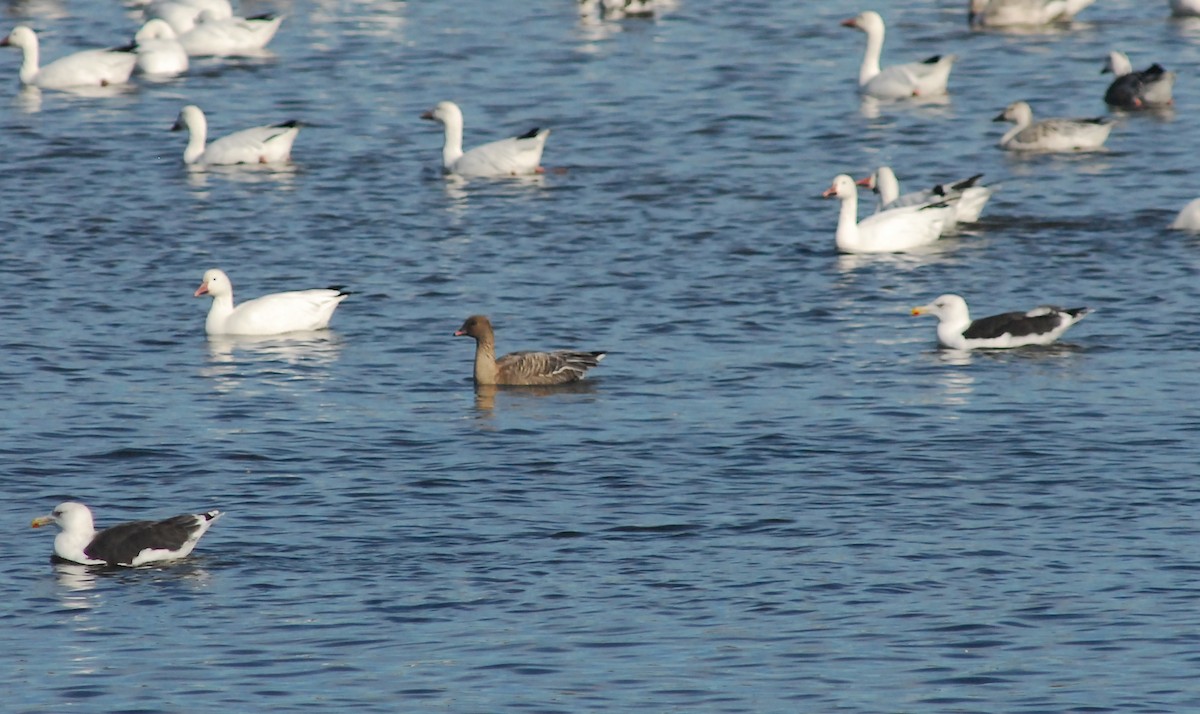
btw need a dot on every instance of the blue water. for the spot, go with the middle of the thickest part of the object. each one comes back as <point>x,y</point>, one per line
<point>775,495</point>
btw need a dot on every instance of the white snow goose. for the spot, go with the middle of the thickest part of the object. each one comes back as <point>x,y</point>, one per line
<point>1189,218</point>
<point>259,145</point>
<point>1022,13</point>
<point>230,36</point>
<point>127,544</point>
<point>915,79</point>
<point>159,53</point>
<point>1039,326</point>
<point>890,231</point>
<point>89,68</point>
<point>182,15</point>
<point>1051,135</point>
<point>522,368</point>
<point>274,314</point>
<point>966,196</point>
<point>1146,89</point>
<point>516,156</point>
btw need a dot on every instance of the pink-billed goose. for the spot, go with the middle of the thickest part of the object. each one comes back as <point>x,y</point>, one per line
<point>915,79</point>
<point>1146,89</point>
<point>966,196</point>
<point>127,544</point>
<point>274,314</point>
<point>517,156</point>
<point>1049,135</point>
<point>258,145</point>
<point>89,68</point>
<point>523,368</point>
<point>1039,326</point>
<point>890,231</point>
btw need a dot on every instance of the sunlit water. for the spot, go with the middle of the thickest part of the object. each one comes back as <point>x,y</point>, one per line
<point>775,495</point>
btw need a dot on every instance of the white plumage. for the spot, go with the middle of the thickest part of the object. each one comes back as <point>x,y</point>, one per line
<point>890,231</point>
<point>182,15</point>
<point>259,145</point>
<point>89,68</point>
<point>127,544</point>
<point>516,156</point>
<point>229,36</point>
<point>159,53</point>
<point>915,79</point>
<point>274,314</point>
<point>1039,326</point>
<point>1049,135</point>
<point>1022,13</point>
<point>965,196</point>
<point>1189,218</point>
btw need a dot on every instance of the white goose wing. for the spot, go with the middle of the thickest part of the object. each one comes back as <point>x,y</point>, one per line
<point>507,157</point>
<point>277,313</point>
<point>259,145</point>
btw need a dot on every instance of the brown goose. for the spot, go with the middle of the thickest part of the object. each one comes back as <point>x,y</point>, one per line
<point>522,368</point>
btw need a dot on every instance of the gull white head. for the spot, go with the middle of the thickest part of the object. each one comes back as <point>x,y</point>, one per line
<point>949,308</point>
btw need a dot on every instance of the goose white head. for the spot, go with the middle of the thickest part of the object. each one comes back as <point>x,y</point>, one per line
<point>451,118</point>
<point>883,182</point>
<point>154,29</point>
<point>1018,112</point>
<point>843,187</point>
<point>1118,63</point>
<point>25,39</point>
<point>192,119</point>
<point>215,284</point>
<point>868,21</point>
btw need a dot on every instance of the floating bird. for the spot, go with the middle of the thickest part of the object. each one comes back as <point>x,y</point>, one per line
<point>274,314</point>
<point>523,368</point>
<point>230,36</point>
<point>1040,326</point>
<point>965,196</point>
<point>1051,134</point>
<point>889,231</point>
<point>915,79</point>
<point>259,145</point>
<point>1022,13</point>
<point>1189,218</point>
<point>182,15</point>
<point>89,68</point>
<point>506,157</point>
<point>1137,90</point>
<point>618,9</point>
<point>128,544</point>
<point>159,53</point>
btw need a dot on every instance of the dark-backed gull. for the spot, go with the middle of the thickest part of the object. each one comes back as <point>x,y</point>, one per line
<point>1039,326</point>
<point>128,544</point>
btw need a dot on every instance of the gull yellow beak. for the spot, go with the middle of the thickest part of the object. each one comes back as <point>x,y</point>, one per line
<point>42,521</point>
<point>918,310</point>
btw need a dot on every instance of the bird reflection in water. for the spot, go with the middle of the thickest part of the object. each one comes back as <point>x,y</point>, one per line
<point>516,396</point>
<point>298,352</point>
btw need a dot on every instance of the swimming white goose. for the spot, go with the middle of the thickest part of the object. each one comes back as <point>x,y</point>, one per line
<point>965,196</point>
<point>517,156</point>
<point>523,368</point>
<point>1189,218</point>
<point>915,79</point>
<point>182,15</point>
<point>1040,326</point>
<point>1022,13</point>
<point>1055,134</point>
<point>230,36</point>
<point>274,314</point>
<point>127,544</point>
<point>159,53</point>
<point>259,145</point>
<point>1148,88</point>
<point>890,231</point>
<point>89,68</point>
